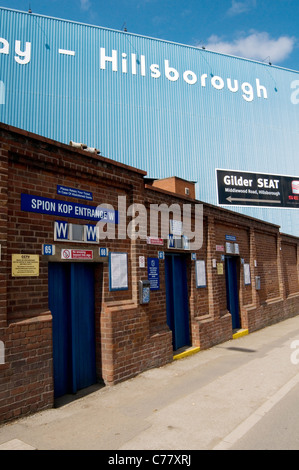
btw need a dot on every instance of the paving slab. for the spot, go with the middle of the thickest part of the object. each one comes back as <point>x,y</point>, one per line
<point>194,403</point>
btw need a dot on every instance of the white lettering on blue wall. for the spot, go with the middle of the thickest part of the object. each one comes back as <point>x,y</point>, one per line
<point>23,54</point>
<point>137,65</point>
<point>173,75</point>
<point>295,94</point>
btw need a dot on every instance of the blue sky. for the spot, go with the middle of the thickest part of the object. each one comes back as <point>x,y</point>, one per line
<point>264,30</point>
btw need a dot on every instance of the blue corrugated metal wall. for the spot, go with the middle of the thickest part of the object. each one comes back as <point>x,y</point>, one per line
<point>166,127</point>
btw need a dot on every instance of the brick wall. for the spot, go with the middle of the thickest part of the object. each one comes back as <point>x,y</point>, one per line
<point>176,185</point>
<point>259,247</point>
<point>290,269</point>
<point>26,377</point>
<point>3,233</point>
<point>266,248</point>
<point>130,337</point>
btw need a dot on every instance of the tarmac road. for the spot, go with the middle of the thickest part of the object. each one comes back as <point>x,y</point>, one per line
<point>221,398</point>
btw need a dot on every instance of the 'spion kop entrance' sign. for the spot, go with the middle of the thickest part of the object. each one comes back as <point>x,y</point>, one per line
<point>238,188</point>
<point>44,205</point>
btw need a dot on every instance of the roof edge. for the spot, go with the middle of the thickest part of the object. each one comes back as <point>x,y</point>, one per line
<point>255,61</point>
<point>69,148</point>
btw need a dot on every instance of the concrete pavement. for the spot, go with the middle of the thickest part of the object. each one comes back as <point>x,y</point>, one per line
<point>208,400</point>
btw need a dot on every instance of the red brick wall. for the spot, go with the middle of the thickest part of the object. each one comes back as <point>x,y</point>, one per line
<point>26,377</point>
<point>176,185</point>
<point>3,234</point>
<point>27,231</point>
<point>290,272</point>
<point>130,338</point>
<point>266,249</point>
<point>130,347</point>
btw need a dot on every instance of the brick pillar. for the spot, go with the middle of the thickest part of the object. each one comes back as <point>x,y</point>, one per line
<point>3,234</point>
<point>212,277</point>
<point>281,283</point>
<point>138,244</point>
<point>253,268</point>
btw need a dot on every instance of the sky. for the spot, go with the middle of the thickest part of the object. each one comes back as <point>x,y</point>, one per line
<point>263,30</point>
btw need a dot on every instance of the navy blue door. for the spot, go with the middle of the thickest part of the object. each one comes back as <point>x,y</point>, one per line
<point>71,301</point>
<point>177,300</point>
<point>232,290</point>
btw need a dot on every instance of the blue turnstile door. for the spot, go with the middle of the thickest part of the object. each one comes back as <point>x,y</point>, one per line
<point>177,300</point>
<point>232,290</point>
<point>71,301</point>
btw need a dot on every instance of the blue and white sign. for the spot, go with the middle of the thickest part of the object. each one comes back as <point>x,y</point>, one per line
<point>145,295</point>
<point>91,233</point>
<point>153,273</point>
<point>170,241</point>
<point>231,238</point>
<point>161,255</point>
<point>61,230</point>
<point>103,252</point>
<point>48,250</point>
<point>44,205</point>
<point>74,192</point>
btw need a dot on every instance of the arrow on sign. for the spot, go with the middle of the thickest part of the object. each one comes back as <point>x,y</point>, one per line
<point>269,201</point>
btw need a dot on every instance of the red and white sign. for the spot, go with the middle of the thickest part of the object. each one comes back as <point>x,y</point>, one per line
<point>219,247</point>
<point>76,254</point>
<point>155,241</point>
<point>295,187</point>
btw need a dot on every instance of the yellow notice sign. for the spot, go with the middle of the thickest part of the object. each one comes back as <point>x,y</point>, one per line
<point>219,268</point>
<point>25,265</point>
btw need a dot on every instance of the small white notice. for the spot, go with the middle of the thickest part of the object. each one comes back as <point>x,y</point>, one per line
<point>247,274</point>
<point>2,353</point>
<point>200,273</point>
<point>118,271</point>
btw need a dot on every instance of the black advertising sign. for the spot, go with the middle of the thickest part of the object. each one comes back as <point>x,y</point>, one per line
<point>240,188</point>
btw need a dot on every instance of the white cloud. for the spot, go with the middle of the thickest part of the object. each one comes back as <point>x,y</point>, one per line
<point>257,46</point>
<point>85,4</point>
<point>241,7</point>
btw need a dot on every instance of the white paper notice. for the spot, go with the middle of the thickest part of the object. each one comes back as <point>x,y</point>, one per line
<point>247,274</point>
<point>200,274</point>
<point>118,271</point>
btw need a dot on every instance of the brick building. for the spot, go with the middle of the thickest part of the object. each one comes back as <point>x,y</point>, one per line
<point>77,237</point>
